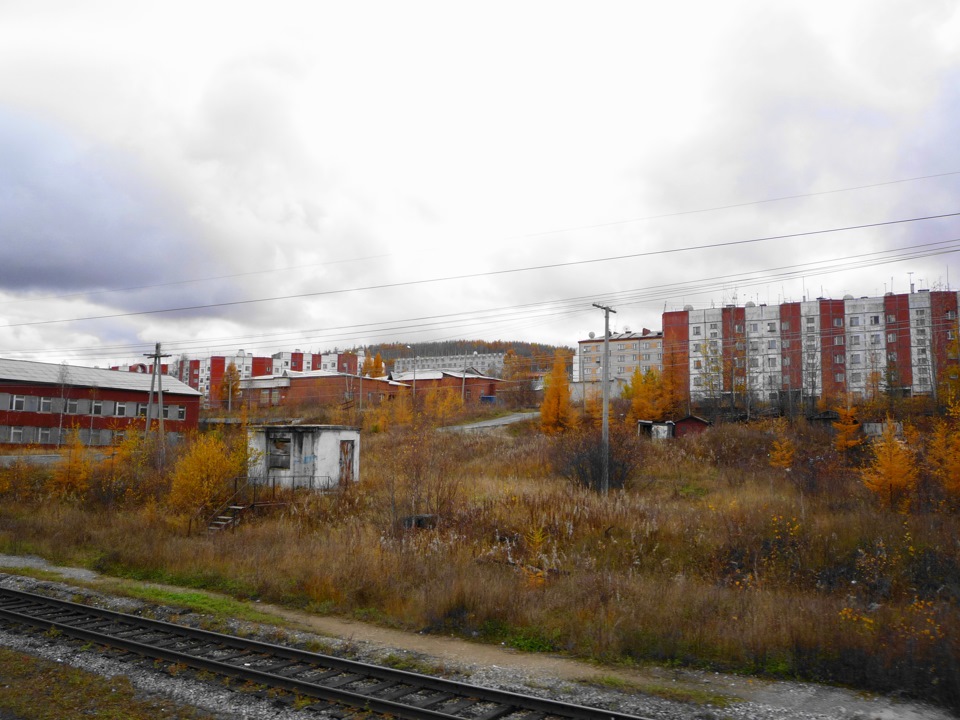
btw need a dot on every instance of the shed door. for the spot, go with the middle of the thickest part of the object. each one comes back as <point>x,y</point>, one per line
<point>346,462</point>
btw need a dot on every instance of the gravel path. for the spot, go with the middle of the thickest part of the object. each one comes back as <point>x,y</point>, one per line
<point>551,676</point>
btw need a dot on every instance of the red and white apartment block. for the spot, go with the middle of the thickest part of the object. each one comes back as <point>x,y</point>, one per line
<point>802,351</point>
<point>206,374</point>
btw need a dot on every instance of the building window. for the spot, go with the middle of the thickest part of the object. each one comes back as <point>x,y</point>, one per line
<point>855,340</point>
<point>121,410</point>
<point>838,340</point>
<point>891,318</point>
<point>697,382</point>
<point>838,359</point>
<point>17,402</point>
<point>754,362</point>
<point>16,434</point>
<point>713,326</point>
<point>45,436</point>
<point>892,356</point>
<point>838,322</point>
<point>771,327</point>
<point>713,334</point>
<point>141,409</point>
<point>838,377</point>
<point>855,358</point>
<point>874,339</point>
<point>97,408</point>
<point>811,320</point>
<point>754,346</point>
<point>855,321</point>
<point>696,329</point>
<point>856,377</point>
<point>754,327</point>
<point>46,404</point>
<point>874,319</point>
<point>786,361</point>
<point>738,328</point>
<point>697,364</point>
<point>771,362</point>
<point>73,406</point>
<point>786,345</point>
<point>771,344</point>
<point>891,337</point>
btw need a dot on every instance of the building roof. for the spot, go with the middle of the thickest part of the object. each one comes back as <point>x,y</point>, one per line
<point>408,376</point>
<point>615,337</point>
<point>38,373</point>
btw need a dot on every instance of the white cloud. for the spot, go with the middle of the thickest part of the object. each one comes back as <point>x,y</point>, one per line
<point>358,145</point>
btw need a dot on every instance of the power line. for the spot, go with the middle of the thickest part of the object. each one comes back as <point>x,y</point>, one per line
<point>530,314</point>
<point>513,237</point>
<point>491,273</point>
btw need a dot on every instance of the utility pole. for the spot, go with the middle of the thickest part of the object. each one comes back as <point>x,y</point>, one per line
<point>605,421</point>
<point>156,377</point>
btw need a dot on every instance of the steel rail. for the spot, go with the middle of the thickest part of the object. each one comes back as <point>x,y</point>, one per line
<point>133,634</point>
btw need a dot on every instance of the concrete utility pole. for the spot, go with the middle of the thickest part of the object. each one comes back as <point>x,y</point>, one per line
<point>156,377</point>
<point>605,422</point>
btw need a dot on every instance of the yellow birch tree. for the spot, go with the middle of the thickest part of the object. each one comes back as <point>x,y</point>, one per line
<point>71,476</point>
<point>202,474</point>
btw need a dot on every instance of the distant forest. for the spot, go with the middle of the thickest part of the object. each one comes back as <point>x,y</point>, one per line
<point>541,355</point>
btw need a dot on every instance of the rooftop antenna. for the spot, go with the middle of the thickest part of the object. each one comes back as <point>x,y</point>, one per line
<point>910,275</point>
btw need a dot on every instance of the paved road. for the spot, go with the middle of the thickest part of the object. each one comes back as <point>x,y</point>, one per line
<point>496,422</point>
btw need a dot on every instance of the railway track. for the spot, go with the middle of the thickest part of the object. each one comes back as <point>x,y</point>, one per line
<point>319,682</point>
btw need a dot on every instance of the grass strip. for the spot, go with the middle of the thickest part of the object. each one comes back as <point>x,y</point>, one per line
<point>73,693</point>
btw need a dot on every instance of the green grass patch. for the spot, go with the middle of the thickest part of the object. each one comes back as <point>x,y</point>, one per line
<point>218,606</point>
<point>72,693</point>
<point>678,693</point>
<point>411,664</point>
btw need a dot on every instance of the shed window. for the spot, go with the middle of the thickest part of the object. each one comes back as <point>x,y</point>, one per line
<point>278,449</point>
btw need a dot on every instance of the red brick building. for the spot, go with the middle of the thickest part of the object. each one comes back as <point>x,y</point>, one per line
<point>471,386</point>
<point>42,403</point>
<point>317,388</point>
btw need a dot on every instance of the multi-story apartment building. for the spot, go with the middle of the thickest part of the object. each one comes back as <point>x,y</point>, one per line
<point>206,374</point>
<point>628,352</point>
<point>803,351</point>
<point>484,363</point>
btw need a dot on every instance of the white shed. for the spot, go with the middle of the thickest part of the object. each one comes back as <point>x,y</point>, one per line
<point>318,457</point>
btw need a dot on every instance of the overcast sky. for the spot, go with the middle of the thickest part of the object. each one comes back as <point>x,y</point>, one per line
<point>224,175</point>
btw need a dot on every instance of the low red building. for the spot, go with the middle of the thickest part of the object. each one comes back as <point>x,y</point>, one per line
<point>472,387</point>
<point>316,388</point>
<point>42,403</point>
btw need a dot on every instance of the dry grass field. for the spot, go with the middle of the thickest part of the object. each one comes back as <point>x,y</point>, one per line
<point>706,556</point>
